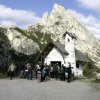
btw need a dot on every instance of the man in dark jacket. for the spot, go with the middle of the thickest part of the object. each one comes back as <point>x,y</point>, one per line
<point>69,73</point>
<point>63,72</point>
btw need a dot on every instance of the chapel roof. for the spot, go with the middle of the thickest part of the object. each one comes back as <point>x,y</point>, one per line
<point>60,47</point>
<point>78,54</point>
<point>70,34</point>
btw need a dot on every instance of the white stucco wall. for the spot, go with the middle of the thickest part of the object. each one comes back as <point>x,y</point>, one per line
<point>79,71</point>
<point>54,55</point>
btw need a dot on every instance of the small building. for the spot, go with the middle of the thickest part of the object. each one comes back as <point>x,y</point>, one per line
<point>55,52</point>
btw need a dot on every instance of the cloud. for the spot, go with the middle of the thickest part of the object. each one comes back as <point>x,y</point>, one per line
<point>90,22</point>
<point>7,23</point>
<point>90,4</point>
<point>96,31</point>
<point>9,16</point>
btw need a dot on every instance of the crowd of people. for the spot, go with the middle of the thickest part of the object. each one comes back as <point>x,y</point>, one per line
<point>54,71</point>
<point>20,69</point>
<point>41,72</point>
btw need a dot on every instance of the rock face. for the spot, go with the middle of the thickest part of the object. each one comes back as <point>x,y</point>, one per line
<point>20,42</point>
<point>98,76</point>
<point>52,27</point>
<point>5,56</point>
<point>60,21</point>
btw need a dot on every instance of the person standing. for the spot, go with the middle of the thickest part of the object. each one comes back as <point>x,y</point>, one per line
<point>29,73</point>
<point>72,74</point>
<point>44,74</point>
<point>63,73</point>
<point>56,71</point>
<point>39,76</point>
<point>51,71</point>
<point>69,73</point>
<point>11,70</point>
<point>46,71</point>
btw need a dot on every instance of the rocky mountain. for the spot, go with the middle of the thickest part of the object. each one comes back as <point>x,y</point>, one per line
<point>20,45</point>
<point>52,26</point>
<point>5,56</point>
<point>60,21</point>
<point>20,42</point>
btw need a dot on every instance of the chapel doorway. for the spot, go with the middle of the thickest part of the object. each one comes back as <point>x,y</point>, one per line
<point>56,62</point>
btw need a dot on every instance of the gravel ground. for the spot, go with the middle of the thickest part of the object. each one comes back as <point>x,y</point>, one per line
<point>23,89</point>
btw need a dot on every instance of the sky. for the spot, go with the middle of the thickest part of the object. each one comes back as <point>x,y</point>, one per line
<point>23,13</point>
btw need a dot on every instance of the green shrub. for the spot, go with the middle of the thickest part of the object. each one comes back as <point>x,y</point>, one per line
<point>90,69</point>
<point>2,76</point>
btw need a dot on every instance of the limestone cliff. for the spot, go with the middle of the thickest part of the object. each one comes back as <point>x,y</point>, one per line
<point>60,21</point>
<point>5,56</point>
<point>51,27</point>
<point>20,42</point>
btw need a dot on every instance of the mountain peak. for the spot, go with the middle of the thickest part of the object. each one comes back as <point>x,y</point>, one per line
<point>60,21</point>
<point>53,26</point>
<point>58,7</point>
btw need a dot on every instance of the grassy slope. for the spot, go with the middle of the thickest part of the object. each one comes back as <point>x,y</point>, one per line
<point>37,36</point>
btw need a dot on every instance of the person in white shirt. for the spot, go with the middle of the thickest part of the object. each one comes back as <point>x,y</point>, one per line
<point>11,70</point>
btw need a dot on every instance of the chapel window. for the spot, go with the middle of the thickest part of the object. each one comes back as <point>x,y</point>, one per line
<point>77,65</point>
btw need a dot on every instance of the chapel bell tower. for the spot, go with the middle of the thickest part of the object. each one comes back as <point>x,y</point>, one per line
<point>70,48</point>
